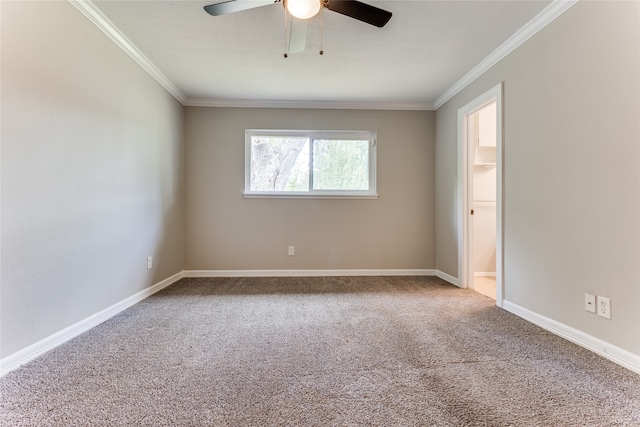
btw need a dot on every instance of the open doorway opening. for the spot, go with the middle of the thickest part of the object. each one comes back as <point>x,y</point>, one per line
<point>482,139</point>
<point>480,178</point>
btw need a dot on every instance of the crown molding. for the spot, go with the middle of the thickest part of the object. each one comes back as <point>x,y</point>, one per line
<point>330,105</point>
<point>544,18</point>
<point>550,13</point>
<point>88,9</point>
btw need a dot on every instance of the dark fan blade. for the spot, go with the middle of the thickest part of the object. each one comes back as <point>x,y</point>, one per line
<point>360,11</point>
<point>236,6</point>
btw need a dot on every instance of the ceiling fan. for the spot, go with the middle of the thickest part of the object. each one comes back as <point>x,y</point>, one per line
<point>302,10</point>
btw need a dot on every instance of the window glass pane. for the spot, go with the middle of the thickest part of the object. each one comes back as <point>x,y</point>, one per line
<point>279,163</point>
<point>340,165</point>
<point>304,163</point>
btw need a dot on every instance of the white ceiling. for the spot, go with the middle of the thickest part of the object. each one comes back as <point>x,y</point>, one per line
<point>426,47</point>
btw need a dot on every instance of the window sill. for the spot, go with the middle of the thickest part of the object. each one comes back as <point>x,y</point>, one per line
<point>308,196</point>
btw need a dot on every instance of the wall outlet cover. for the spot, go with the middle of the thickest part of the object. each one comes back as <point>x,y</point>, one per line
<point>604,307</point>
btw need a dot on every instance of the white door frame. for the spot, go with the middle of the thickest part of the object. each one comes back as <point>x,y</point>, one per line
<point>465,183</point>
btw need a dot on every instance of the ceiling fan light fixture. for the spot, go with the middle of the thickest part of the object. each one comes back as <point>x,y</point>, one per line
<point>303,9</point>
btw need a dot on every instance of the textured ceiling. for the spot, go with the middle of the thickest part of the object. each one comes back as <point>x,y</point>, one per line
<point>424,49</point>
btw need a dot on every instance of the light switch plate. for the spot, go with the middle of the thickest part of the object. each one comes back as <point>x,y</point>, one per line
<point>590,303</point>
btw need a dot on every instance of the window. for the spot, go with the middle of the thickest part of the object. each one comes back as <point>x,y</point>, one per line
<point>289,163</point>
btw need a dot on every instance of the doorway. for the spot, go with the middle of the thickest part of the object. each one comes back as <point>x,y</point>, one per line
<point>481,165</point>
<point>481,142</point>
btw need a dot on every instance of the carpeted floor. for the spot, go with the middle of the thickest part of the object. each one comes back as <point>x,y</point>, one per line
<point>349,351</point>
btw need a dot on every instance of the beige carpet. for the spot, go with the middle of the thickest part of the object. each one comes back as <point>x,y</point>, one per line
<point>319,352</point>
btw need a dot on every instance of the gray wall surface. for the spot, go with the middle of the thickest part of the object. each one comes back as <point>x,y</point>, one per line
<point>92,173</point>
<point>100,167</point>
<point>225,231</point>
<point>571,170</point>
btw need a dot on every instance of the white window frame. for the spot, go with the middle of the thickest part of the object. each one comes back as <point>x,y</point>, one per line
<point>371,136</point>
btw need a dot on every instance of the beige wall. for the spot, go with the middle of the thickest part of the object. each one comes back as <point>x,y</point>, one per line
<point>571,171</point>
<point>92,166</point>
<point>91,173</point>
<point>224,231</point>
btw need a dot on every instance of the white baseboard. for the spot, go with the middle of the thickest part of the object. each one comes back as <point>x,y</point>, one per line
<point>608,351</point>
<point>485,274</point>
<point>33,351</point>
<point>444,276</point>
<point>308,273</point>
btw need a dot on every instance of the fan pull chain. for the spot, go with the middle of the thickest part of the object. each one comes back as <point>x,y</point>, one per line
<point>321,29</point>
<point>286,55</point>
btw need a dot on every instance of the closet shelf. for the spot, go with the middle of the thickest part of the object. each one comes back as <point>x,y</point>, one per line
<point>486,165</point>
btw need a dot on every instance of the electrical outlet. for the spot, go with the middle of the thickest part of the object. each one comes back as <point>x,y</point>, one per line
<point>292,250</point>
<point>149,262</point>
<point>604,307</point>
<point>590,303</point>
